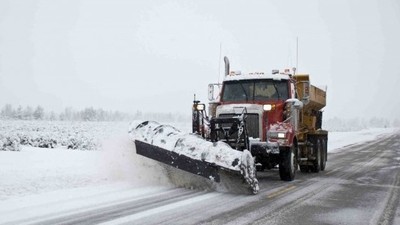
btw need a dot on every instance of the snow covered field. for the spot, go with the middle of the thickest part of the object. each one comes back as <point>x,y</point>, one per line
<point>38,177</point>
<point>54,134</point>
<point>337,140</point>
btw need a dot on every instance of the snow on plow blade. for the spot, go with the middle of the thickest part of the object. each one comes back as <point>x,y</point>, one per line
<point>191,153</point>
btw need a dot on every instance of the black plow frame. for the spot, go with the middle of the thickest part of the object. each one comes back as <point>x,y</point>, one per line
<point>179,161</point>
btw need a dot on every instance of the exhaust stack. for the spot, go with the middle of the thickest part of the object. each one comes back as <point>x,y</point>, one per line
<point>226,60</point>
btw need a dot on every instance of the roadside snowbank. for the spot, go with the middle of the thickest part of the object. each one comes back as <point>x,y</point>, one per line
<point>36,170</point>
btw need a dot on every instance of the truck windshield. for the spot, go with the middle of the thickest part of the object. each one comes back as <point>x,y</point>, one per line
<point>254,90</point>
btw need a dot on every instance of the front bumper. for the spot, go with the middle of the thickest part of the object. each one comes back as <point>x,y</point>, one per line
<point>263,148</point>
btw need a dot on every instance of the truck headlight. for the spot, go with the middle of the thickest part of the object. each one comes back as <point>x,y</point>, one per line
<point>200,107</point>
<point>281,135</point>
<point>267,107</point>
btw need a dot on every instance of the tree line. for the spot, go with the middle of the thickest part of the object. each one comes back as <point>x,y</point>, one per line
<point>92,114</point>
<point>27,113</point>
<point>355,124</point>
<point>87,114</point>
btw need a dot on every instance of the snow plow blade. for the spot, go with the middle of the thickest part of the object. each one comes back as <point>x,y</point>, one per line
<point>198,167</point>
<point>193,154</point>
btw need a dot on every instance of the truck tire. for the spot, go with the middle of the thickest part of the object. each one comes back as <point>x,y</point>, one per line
<point>287,164</point>
<point>323,155</point>
<point>317,162</point>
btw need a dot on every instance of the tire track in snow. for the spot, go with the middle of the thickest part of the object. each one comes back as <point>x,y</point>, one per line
<point>173,205</point>
<point>392,203</point>
<point>117,209</point>
<point>387,214</point>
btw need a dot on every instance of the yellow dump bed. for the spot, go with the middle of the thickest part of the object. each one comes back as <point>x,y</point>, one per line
<point>317,96</point>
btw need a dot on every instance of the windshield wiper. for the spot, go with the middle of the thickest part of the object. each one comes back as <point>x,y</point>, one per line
<point>276,89</point>
<point>241,85</point>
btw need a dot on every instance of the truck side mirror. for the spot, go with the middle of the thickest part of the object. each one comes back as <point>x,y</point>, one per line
<point>298,105</point>
<point>211,92</point>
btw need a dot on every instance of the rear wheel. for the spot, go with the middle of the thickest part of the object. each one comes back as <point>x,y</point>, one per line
<point>288,164</point>
<point>317,162</point>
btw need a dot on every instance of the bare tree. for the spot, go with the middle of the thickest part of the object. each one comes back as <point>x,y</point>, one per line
<point>38,114</point>
<point>8,111</point>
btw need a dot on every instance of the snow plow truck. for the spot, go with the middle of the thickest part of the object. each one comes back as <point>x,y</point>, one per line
<point>255,121</point>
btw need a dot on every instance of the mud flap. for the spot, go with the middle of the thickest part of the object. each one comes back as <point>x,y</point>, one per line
<point>198,167</point>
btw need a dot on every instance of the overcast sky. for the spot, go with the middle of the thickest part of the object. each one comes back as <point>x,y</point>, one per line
<point>154,55</point>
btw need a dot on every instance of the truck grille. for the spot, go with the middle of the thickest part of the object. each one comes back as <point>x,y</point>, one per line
<point>252,123</point>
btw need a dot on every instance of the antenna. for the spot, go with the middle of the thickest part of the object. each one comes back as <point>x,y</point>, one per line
<point>219,61</point>
<point>297,53</point>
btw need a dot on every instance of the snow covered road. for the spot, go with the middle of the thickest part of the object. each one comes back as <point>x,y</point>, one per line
<point>361,185</point>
